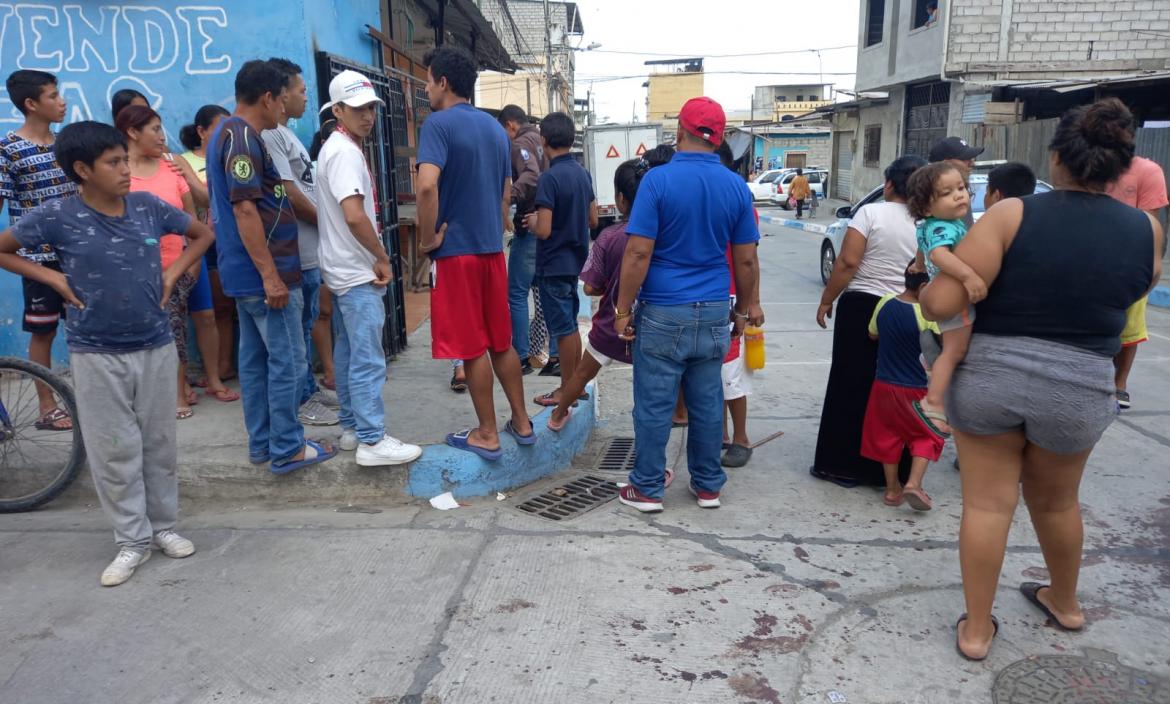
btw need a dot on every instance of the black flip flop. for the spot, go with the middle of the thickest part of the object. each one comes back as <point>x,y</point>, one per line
<point>1030,590</point>
<point>994,623</point>
<point>458,385</point>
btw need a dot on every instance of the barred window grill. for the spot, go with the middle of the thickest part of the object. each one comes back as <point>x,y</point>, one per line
<point>927,110</point>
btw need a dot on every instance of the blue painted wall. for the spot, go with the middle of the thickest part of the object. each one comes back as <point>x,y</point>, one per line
<point>181,54</point>
<point>774,155</point>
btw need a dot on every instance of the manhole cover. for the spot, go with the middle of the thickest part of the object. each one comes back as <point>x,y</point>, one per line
<point>618,456</point>
<point>570,499</point>
<point>1095,678</point>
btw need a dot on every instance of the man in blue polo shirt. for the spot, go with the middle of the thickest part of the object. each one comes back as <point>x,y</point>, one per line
<point>260,267</point>
<point>686,214</point>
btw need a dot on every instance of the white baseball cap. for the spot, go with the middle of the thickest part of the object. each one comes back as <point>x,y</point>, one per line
<point>353,89</point>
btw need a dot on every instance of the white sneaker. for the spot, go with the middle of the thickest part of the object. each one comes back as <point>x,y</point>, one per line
<point>388,451</point>
<point>348,441</point>
<point>326,398</point>
<point>123,566</point>
<point>173,545</point>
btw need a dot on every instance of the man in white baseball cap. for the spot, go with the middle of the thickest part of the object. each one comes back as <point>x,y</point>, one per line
<point>356,268</point>
<point>352,89</point>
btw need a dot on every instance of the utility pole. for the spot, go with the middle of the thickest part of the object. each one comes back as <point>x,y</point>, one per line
<point>548,58</point>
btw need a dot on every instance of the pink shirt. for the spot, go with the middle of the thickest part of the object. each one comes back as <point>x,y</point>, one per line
<point>169,187</point>
<point>1142,186</point>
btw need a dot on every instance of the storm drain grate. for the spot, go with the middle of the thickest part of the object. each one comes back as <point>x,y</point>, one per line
<point>1096,678</point>
<point>570,499</point>
<point>618,456</point>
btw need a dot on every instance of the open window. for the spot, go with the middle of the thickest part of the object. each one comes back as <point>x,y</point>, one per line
<point>926,13</point>
<point>875,21</point>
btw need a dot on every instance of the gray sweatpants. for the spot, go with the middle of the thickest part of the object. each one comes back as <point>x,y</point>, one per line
<point>126,404</point>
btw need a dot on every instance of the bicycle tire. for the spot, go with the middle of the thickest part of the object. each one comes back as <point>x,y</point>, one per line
<point>76,457</point>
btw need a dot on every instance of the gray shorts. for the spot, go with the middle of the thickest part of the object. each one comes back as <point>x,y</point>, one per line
<point>958,322</point>
<point>1061,397</point>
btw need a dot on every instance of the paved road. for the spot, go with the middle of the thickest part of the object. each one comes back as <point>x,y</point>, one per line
<point>795,591</point>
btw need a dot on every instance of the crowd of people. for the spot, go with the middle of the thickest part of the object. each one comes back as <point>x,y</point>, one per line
<point>943,327</point>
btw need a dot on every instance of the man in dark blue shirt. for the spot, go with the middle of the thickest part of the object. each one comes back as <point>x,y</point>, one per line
<point>686,214</point>
<point>464,188</point>
<point>260,266</point>
<point>566,210</point>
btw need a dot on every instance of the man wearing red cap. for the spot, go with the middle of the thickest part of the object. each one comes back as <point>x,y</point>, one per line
<point>686,214</point>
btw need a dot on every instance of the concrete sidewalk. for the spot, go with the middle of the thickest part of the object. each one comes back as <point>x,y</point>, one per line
<point>420,408</point>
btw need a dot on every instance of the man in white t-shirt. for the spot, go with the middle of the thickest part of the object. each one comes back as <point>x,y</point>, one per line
<point>356,268</point>
<point>292,163</point>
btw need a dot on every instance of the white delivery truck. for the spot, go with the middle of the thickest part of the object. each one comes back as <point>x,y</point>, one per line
<point>606,147</point>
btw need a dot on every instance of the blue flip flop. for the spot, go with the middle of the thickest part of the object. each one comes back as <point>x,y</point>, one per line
<point>529,439</point>
<point>321,455</point>
<point>459,442</point>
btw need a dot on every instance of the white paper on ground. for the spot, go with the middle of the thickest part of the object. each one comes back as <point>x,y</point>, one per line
<point>444,502</point>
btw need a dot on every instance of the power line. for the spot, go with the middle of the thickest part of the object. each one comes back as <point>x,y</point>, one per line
<point>720,56</point>
<point>645,76</point>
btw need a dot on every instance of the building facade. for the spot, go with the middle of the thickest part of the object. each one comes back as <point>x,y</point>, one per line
<point>977,63</point>
<point>670,85</point>
<point>521,26</point>
<point>785,102</point>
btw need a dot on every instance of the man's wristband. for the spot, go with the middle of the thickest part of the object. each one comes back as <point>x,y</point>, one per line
<point>617,314</point>
<point>739,316</point>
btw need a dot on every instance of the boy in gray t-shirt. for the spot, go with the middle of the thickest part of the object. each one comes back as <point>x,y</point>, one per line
<point>121,350</point>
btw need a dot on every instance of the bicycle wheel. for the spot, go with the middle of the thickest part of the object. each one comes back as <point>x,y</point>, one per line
<point>35,465</point>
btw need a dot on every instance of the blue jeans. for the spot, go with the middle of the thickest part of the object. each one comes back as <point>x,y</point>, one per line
<point>521,273</point>
<point>271,368</point>
<point>676,345</point>
<point>310,288</point>
<point>358,319</point>
<point>558,297</point>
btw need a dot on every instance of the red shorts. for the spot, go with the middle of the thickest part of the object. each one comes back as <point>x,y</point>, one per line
<point>469,306</point>
<point>891,425</point>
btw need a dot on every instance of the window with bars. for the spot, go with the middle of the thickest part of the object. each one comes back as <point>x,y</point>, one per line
<point>875,21</point>
<point>872,147</point>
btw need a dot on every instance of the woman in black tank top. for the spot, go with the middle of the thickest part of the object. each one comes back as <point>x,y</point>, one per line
<point>1035,391</point>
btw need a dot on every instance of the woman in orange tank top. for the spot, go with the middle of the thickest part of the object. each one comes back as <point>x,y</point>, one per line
<point>148,172</point>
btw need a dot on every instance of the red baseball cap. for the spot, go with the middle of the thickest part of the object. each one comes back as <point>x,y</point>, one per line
<point>703,118</point>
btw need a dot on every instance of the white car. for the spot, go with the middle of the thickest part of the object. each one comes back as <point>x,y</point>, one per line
<point>818,181</point>
<point>835,233</point>
<point>763,186</point>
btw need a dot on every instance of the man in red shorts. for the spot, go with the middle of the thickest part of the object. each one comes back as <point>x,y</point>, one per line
<point>464,188</point>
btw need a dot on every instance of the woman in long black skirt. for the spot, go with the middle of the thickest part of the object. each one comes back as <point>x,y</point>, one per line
<point>879,244</point>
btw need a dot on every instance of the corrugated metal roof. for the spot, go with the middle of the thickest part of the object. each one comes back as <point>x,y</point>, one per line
<point>975,107</point>
<point>1066,85</point>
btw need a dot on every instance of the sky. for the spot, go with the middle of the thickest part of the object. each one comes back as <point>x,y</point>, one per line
<point>683,29</point>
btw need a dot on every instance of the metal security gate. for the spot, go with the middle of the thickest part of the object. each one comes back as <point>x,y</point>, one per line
<point>843,167</point>
<point>927,109</point>
<point>388,130</point>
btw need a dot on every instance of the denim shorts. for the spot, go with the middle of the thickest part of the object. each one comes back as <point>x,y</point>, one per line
<point>1061,397</point>
<point>558,299</point>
